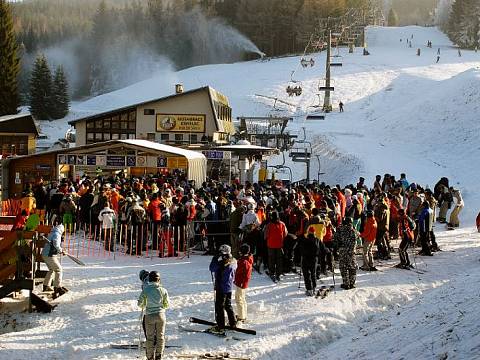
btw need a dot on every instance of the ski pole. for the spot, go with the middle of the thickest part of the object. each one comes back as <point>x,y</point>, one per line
<point>333,276</point>
<point>140,348</point>
<point>300,274</point>
<point>214,297</point>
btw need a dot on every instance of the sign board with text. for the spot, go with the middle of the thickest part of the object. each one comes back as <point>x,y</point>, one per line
<point>189,123</point>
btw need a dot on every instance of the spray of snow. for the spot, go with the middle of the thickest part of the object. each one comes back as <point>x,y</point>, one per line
<point>442,11</point>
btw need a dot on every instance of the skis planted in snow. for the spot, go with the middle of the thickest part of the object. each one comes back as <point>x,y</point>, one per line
<point>211,323</point>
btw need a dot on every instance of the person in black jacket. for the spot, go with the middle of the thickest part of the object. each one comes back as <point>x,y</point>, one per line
<point>309,249</point>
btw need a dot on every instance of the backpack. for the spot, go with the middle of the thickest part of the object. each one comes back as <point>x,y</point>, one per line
<point>137,216</point>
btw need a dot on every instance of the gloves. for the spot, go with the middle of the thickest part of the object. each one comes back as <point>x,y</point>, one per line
<point>220,259</point>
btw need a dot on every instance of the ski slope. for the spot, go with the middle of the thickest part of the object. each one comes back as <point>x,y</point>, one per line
<point>403,113</point>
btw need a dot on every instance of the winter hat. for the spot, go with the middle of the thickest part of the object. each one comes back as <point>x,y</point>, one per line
<point>143,275</point>
<point>225,250</point>
<point>245,249</point>
<point>348,192</point>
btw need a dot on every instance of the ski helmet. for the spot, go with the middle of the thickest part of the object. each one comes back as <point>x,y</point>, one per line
<point>225,250</point>
<point>154,276</point>
<point>143,275</point>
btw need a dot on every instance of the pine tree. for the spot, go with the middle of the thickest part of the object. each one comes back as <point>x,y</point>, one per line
<point>392,18</point>
<point>9,63</point>
<point>60,99</point>
<point>41,89</point>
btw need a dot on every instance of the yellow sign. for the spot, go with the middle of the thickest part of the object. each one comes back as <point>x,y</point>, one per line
<point>181,123</point>
<point>177,163</point>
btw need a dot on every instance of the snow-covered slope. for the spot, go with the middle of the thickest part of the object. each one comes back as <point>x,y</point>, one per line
<point>403,113</point>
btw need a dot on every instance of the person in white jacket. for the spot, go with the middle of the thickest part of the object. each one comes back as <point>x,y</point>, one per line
<point>107,220</point>
<point>454,220</point>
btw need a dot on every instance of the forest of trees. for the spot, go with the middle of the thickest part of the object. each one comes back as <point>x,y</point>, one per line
<point>108,44</point>
<point>463,26</point>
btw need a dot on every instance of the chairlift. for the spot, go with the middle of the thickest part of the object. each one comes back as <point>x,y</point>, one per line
<point>294,90</point>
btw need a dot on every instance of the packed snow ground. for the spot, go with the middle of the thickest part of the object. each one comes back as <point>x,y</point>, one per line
<point>403,113</point>
<point>392,314</point>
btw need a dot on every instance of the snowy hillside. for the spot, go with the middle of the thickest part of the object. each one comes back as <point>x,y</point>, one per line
<point>404,113</point>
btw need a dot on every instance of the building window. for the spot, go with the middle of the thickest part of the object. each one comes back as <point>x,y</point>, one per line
<point>193,138</point>
<point>17,145</point>
<point>178,138</point>
<point>119,126</point>
<point>164,138</point>
<point>148,111</point>
<point>151,136</point>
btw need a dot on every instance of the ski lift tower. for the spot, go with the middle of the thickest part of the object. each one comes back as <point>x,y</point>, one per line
<point>327,102</point>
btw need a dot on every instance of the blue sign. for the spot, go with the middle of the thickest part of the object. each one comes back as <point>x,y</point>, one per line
<point>131,160</point>
<point>161,162</point>
<point>91,160</point>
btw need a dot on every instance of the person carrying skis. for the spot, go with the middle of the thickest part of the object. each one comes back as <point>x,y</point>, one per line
<point>223,266</point>
<point>242,277</point>
<point>50,253</point>
<point>345,240</point>
<point>406,227</point>
<point>154,300</point>
<point>309,249</point>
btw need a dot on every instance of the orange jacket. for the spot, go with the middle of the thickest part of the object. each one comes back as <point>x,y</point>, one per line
<point>369,233</point>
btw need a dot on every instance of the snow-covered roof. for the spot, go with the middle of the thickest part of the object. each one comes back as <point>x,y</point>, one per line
<point>189,154</point>
<point>28,126</point>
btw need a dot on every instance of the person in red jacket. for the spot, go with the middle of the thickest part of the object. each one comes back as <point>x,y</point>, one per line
<point>155,214</point>
<point>275,234</point>
<point>242,277</point>
<point>369,234</point>
<point>341,200</point>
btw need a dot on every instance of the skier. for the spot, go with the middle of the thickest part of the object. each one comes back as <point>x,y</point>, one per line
<point>275,234</point>
<point>438,58</point>
<point>405,227</point>
<point>223,267</point>
<point>418,52</point>
<point>107,219</point>
<point>438,51</point>
<point>309,250</point>
<point>369,235</point>
<point>50,253</point>
<point>154,300</point>
<point>242,277</point>
<point>345,239</point>
<point>459,53</point>
<point>454,220</point>
<point>340,105</point>
<point>425,227</point>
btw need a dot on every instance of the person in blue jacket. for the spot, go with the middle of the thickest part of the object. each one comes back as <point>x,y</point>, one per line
<point>424,228</point>
<point>50,254</point>
<point>223,267</point>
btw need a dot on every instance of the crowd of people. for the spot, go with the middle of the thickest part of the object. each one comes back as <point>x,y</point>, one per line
<point>287,228</point>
